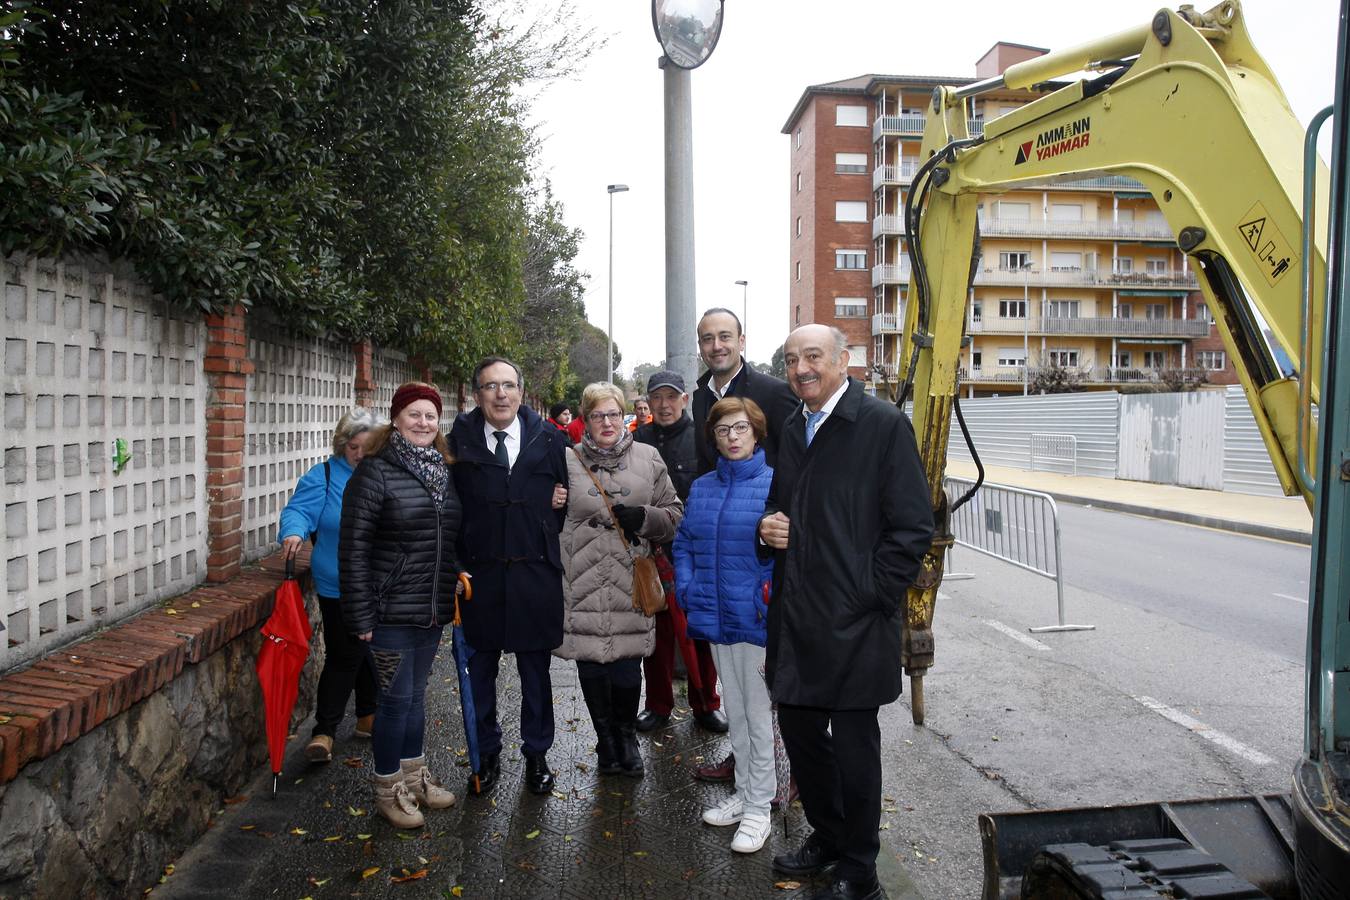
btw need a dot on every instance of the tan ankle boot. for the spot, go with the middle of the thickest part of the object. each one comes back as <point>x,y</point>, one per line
<point>365,725</point>
<point>396,803</point>
<point>425,786</point>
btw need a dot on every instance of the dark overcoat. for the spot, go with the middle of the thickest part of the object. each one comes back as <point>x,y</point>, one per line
<point>772,395</point>
<point>860,521</point>
<point>509,538</point>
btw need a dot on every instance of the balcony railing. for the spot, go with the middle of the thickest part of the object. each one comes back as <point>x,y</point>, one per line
<point>902,173</point>
<point>887,225</point>
<point>889,273</point>
<point>1089,278</point>
<point>1112,182</point>
<point>1090,374</point>
<point>995,226</point>
<point>1092,326</point>
<point>887,323</point>
<point>898,125</point>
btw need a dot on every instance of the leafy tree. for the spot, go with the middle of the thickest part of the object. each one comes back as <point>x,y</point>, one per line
<point>586,360</point>
<point>553,312</point>
<point>644,371</point>
<point>777,367</point>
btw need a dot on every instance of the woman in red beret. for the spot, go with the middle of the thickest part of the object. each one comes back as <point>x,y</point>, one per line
<point>399,573</point>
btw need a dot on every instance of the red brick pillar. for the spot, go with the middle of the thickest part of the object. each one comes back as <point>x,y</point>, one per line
<point>227,370</point>
<point>365,385</point>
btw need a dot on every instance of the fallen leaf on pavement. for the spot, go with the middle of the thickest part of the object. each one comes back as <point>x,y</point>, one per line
<point>787,885</point>
<point>353,811</point>
<point>238,798</point>
<point>318,882</point>
<point>363,837</point>
<point>331,838</point>
<point>560,795</point>
<point>409,876</point>
<point>352,762</point>
<point>457,891</point>
<point>247,827</point>
<point>299,831</point>
<point>639,852</point>
<point>369,872</point>
<point>532,835</point>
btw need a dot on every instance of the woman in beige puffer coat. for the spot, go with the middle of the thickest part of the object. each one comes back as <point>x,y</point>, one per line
<point>601,630</point>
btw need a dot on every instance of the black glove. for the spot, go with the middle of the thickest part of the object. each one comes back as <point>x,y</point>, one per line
<point>630,519</point>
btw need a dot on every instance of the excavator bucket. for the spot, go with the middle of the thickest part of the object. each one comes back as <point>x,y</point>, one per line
<point>1080,850</point>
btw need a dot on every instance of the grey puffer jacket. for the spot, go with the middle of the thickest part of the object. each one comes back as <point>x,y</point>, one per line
<point>599,622</point>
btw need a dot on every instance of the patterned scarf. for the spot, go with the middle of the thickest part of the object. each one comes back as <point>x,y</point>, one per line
<point>606,453</point>
<point>424,462</point>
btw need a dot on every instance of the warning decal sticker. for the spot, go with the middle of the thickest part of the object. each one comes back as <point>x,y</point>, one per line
<point>1274,254</point>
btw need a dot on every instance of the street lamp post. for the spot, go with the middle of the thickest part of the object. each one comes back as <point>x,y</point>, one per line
<point>745,313</point>
<point>688,32</point>
<point>609,333</point>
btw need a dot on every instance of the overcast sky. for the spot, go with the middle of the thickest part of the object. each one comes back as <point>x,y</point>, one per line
<point>605,126</point>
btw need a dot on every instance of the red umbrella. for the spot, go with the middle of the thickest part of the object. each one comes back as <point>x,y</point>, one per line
<point>285,648</point>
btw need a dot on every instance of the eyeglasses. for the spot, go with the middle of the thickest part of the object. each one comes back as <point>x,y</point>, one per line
<point>740,429</point>
<point>598,417</point>
<point>506,387</point>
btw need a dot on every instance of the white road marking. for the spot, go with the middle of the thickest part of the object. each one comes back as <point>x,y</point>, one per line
<point>1202,730</point>
<point>1303,600</point>
<point>1016,635</point>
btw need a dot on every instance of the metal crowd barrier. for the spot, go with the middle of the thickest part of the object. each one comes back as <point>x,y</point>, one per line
<point>1054,448</point>
<point>1018,526</point>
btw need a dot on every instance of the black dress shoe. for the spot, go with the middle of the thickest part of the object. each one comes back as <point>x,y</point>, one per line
<point>489,773</point>
<point>714,720</point>
<point>852,890</point>
<point>538,778</point>
<point>650,721</point>
<point>808,859</point>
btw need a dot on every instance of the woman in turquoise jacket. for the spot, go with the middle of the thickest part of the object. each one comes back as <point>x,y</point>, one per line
<point>723,587</point>
<point>315,513</point>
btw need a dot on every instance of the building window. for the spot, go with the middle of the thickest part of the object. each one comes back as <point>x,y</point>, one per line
<point>1061,309</point>
<point>1012,357</point>
<point>850,210</point>
<point>857,355</point>
<point>797,315</point>
<point>1124,311</point>
<point>1012,309</point>
<point>1202,313</point>
<point>1013,260</point>
<point>850,115</point>
<point>1155,311</point>
<point>850,259</point>
<point>850,307</point>
<point>1156,265</point>
<point>1210,359</point>
<point>799,146</point>
<point>1123,360</point>
<point>1155,359</point>
<point>1065,359</point>
<point>1066,262</point>
<point>977,310</point>
<point>1013,212</point>
<point>799,226</point>
<point>976,359</point>
<point>1124,265</point>
<point>1066,212</point>
<point>798,270</point>
<point>799,182</point>
<point>850,163</point>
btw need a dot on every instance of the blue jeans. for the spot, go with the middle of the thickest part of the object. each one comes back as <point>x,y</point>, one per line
<point>401,656</point>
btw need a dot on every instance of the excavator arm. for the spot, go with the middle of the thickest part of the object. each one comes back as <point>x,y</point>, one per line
<point>1187,107</point>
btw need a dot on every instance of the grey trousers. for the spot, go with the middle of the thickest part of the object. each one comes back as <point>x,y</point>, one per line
<point>745,700</point>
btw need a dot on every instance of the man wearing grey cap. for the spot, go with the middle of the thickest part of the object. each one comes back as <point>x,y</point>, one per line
<point>671,432</point>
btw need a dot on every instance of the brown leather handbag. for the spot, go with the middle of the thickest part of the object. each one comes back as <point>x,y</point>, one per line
<point>649,597</point>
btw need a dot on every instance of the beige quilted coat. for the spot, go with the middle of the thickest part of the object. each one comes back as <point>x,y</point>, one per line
<point>599,622</point>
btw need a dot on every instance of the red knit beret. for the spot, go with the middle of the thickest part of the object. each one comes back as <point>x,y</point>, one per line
<point>410,393</point>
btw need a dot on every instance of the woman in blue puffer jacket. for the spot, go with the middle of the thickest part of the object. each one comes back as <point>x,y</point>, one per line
<point>723,587</point>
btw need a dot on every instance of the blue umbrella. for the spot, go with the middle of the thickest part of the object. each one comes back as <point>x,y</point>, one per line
<point>462,652</point>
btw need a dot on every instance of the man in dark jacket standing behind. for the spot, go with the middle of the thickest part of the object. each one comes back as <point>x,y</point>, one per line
<point>671,432</point>
<point>849,518</point>
<point>511,475</point>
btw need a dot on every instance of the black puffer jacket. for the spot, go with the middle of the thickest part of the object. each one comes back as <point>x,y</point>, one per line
<point>678,451</point>
<point>396,556</point>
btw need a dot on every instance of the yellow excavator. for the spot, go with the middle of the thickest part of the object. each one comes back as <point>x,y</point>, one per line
<point>1185,105</point>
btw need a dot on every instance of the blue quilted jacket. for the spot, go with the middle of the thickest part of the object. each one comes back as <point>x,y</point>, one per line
<point>719,578</point>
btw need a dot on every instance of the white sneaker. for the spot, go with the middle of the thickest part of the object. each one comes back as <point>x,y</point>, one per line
<point>753,833</point>
<point>728,812</point>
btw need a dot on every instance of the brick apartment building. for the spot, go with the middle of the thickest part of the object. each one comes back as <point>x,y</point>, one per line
<point>1083,275</point>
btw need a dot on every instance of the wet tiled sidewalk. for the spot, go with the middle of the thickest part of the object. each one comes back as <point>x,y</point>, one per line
<point>594,838</point>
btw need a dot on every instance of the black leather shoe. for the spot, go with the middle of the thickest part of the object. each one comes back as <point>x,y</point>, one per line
<point>538,778</point>
<point>808,859</point>
<point>489,773</point>
<point>714,720</point>
<point>650,721</point>
<point>852,890</point>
